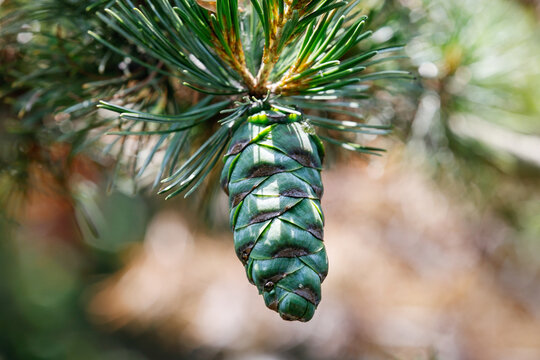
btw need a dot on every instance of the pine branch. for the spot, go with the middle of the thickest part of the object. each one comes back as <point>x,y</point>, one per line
<point>227,39</point>
<point>274,33</point>
<point>204,43</point>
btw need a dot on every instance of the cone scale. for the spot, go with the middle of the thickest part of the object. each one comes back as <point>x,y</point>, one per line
<point>272,176</point>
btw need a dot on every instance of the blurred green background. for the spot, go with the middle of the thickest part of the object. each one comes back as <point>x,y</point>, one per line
<point>434,248</point>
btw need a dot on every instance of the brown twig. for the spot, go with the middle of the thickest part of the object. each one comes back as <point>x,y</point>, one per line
<point>257,86</point>
<point>237,61</point>
<point>271,53</point>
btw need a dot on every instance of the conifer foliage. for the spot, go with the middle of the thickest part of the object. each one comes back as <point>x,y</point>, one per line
<point>273,74</point>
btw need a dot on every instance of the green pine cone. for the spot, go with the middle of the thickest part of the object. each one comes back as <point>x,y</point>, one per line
<point>272,176</point>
